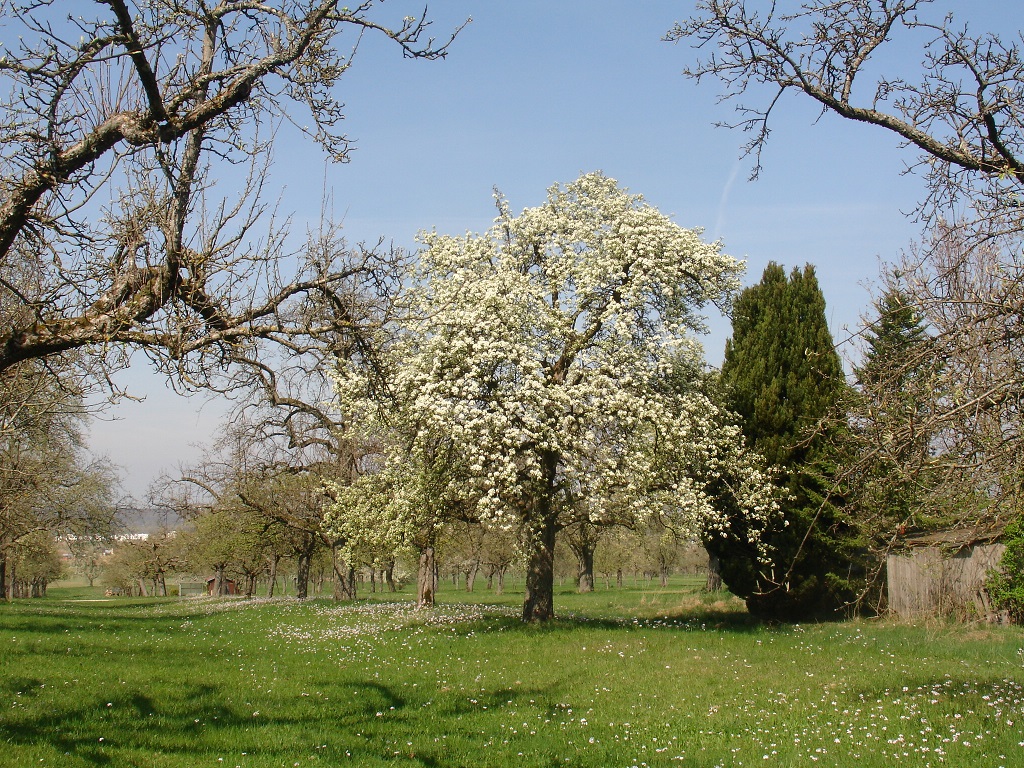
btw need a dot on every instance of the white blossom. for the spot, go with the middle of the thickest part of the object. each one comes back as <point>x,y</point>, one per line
<point>537,354</point>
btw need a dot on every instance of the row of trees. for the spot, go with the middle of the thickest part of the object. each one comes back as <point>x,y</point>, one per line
<point>230,551</point>
<point>536,380</point>
<point>49,484</point>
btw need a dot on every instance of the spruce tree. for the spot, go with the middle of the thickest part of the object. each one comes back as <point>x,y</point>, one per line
<point>886,455</point>
<point>897,353</point>
<point>782,376</point>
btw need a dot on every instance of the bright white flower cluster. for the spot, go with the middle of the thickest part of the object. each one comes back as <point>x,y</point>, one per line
<point>541,366</point>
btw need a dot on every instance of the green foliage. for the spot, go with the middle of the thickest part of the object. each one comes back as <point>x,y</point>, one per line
<point>1006,586</point>
<point>33,563</point>
<point>780,366</point>
<point>782,376</point>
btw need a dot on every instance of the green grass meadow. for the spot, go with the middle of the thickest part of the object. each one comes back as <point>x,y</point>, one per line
<point>627,677</point>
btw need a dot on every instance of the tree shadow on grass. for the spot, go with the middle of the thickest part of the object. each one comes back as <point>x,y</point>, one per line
<point>366,723</point>
<point>706,620</point>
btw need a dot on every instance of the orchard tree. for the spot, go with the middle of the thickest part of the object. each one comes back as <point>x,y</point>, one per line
<point>136,563</point>
<point>402,500</point>
<point>961,111</point>
<point>34,563</point>
<point>783,377</point>
<point>117,122</point>
<point>49,485</point>
<point>537,350</point>
<point>582,538</point>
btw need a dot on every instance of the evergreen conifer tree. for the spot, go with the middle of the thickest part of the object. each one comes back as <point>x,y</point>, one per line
<point>886,455</point>
<point>897,350</point>
<point>782,377</point>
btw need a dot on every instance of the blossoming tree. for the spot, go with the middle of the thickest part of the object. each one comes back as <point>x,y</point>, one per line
<point>542,352</point>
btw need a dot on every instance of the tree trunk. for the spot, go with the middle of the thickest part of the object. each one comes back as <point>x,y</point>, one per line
<point>470,574</point>
<point>714,581</point>
<point>426,578</point>
<point>303,565</point>
<point>539,602</point>
<point>302,575</point>
<point>142,589</point>
<point>585,556</point>
<point>4,588</point>
<point>344,575</point>
<point>501,582</point>
<point>220,583</point>
<point>160,585</point>
<point>618,578</point>
<point>272,578</point>
<point>389,576</point>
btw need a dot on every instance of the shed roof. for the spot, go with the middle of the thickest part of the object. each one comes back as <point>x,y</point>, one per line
<point>957,538</point>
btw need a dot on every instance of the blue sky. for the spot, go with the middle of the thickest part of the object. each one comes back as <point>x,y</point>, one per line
<point>536,92</point>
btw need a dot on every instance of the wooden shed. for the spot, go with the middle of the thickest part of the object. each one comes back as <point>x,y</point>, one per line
<point>943,573</point>
<point>230,588</point>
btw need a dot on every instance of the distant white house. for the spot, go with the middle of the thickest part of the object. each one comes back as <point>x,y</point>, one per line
<point>132,537</point>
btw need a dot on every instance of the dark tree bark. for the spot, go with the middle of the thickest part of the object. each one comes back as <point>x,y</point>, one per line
<point>714,580</point>
<point>538,603</point>
<point>302,577</point>
<point>427,577</point>
<point>272,577</point>
<point>344,575</point>
<point>303,561</point>
<point>585,580</point>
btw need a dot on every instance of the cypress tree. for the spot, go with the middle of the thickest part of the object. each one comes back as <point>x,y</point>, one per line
<point>782,376</point>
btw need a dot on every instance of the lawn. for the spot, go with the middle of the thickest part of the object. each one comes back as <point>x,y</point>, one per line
<point>632,676</point>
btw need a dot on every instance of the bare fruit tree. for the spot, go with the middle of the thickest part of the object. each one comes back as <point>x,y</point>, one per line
<point>118,125</point>
<point>963,112</point>
<point>960,445</point>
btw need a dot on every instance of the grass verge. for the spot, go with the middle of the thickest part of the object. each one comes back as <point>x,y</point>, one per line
<point>638,676</point>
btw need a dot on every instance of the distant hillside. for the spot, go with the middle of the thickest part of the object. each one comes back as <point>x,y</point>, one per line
<point>135,520</point>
